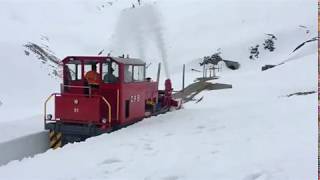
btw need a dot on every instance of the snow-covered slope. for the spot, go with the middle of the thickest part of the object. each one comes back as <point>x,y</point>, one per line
<point>250,132</point>
<point>186,30</point>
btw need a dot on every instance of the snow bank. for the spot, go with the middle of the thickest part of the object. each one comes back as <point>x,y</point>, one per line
<point>24,146</point>
<point>19,128</point>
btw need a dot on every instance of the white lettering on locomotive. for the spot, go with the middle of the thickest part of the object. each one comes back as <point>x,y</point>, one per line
<point>135,98</point>
<point>76,110</point>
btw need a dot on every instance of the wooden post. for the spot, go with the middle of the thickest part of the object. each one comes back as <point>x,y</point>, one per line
<point>183,76</point>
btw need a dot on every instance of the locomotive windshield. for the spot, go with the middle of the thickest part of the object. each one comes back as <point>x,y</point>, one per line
<point>93,72</point>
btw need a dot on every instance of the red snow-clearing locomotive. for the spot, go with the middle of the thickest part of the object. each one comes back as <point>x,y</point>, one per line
<point>116,94</point>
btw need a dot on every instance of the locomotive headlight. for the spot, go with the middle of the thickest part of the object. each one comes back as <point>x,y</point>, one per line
<point>104,120</point>
<point>49,116</point>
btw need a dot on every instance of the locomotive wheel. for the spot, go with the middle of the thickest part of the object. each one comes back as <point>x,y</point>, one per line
<point>55,139</point>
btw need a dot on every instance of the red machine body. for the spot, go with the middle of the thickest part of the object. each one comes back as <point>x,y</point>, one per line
<point>123,96</point>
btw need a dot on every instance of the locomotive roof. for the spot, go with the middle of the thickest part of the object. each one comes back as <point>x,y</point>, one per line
<point>129,60</point>
<point>77,59</point>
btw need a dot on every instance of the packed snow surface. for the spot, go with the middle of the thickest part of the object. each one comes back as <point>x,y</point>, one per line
<point>250,132</point>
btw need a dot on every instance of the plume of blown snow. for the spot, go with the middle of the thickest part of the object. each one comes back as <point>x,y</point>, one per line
<point>138,30</point>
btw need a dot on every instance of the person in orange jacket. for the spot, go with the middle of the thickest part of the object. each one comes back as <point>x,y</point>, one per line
<point>93,77</point>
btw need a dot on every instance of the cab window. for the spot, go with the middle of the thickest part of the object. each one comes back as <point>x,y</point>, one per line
<point>110,72</point>
<point>134,73</point>
<point>72,72</point>
<point>138,73</point>
<point>89,67</point>
<point>128,72</point>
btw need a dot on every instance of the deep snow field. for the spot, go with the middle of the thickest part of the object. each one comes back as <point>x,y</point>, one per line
<point>250,132</point>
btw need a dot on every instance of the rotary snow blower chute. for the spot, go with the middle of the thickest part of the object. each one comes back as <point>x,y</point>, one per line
<point>101,94</point>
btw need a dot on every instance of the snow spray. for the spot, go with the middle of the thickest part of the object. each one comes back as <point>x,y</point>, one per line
<point>137,25</point>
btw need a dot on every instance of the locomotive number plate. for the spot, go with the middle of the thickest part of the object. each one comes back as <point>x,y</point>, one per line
<point>135,98</point>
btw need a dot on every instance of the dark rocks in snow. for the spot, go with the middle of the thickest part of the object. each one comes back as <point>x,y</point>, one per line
<point>302,44</point>
<point>269,43</point>
<point>301,93</point>
<point>268,66</point>
<point>45,55</point>
<point>254,52</point>
<point>27,53</point>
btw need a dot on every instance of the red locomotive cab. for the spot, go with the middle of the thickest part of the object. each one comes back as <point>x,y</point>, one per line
<point>88,93</point>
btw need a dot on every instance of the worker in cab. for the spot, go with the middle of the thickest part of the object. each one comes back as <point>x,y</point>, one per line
<point>93,77</point>
<point>110,77</point>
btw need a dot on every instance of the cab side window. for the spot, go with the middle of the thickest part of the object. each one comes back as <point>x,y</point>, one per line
<point>138,73</point>
<point>110,72</point>
<point>115,68</point>
<point>72,72</point>
<point>128,72</point>
<point>133,73</point>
